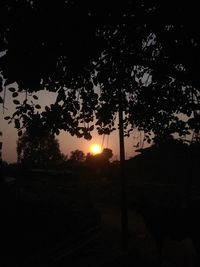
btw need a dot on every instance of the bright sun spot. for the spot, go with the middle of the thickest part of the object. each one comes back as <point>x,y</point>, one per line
<point>95,149</point>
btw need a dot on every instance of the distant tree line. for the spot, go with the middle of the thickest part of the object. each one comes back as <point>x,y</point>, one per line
<point>44,151</point>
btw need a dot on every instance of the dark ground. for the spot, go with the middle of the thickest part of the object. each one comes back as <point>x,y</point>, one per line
<point>47,220</point>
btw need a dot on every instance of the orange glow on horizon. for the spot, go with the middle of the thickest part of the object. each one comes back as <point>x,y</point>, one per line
<point>95,149</point>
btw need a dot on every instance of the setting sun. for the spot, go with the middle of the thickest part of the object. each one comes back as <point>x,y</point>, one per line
<point>95,149</point>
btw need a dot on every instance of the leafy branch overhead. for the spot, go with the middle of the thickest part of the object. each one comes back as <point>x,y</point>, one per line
<point>141,56</point>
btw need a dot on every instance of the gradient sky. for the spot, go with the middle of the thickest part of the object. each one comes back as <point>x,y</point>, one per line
<point>66,141</point>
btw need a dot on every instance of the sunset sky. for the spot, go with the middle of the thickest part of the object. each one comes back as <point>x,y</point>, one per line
<point>66,141</point>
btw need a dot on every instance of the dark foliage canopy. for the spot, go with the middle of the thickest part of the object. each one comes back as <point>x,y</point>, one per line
<point>98,56</point>
<point>99,160</point>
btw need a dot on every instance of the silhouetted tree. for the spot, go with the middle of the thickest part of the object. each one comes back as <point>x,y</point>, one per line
<point>106,154</point>
<point>99,160</point>
<point>143,55</point>
<point>77,156</point>
<point>38,151</point>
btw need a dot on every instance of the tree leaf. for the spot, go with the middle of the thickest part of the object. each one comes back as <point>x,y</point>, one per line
<point>19,133</point>
<point>12,89</point>
<point>17,124</point>
<point>47,108</point>
<point>7,118</point>
<point>92,128</point>
<point>37,106</point>
<point>15,94</point>
<point>87,136</point>
<point>35,97</point>
<point>16,102</point>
